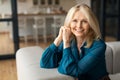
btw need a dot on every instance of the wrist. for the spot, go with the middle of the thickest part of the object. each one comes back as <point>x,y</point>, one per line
<point>57,41</point>
<point>66,44</point>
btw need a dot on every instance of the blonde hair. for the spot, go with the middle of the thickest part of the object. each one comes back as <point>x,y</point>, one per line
<point>94,33</point>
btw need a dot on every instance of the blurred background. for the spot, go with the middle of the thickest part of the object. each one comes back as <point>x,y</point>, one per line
<point>25,23</point>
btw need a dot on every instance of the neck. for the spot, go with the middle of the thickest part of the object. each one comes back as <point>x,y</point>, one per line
<point>79,39</point>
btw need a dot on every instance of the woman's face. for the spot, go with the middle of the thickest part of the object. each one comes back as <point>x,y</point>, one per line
<point>79,25</point>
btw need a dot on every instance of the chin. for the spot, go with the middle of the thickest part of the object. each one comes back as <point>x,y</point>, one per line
<point>79,35</point>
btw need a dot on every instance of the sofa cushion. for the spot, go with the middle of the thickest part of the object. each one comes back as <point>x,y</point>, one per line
<point>115,46</point>
<point>109,59</point>
<point>115,76</point>
<point>37,73</point>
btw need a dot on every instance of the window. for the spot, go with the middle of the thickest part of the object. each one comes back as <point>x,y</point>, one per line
<point>49,2</point>
<point>57,2</point>
<point>44,2</point>
<point>35,2</point>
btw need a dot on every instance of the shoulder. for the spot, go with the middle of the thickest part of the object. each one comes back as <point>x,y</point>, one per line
<point>97,47</point>
<point>98,43</point>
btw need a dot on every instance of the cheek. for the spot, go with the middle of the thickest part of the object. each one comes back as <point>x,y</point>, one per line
<point>72,24</point>
<point>87,26</point>
<point>87,29</point>
<point>72,27</point>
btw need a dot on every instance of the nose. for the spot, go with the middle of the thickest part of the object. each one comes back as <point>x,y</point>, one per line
<point>79,24</point>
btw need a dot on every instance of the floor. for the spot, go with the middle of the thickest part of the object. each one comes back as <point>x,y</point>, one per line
<point>6,43</point>
<point>8,70</point>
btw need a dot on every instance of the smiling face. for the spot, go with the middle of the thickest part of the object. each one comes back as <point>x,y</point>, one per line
<point>79,25</point>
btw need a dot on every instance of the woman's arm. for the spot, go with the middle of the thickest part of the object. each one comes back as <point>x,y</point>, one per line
<point>69,66</point>
<point>51,56</point>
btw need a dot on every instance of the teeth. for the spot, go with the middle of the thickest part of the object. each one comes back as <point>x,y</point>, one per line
<point>79,30</point>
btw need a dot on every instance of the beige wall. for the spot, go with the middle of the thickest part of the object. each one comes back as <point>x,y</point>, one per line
<point>67,4</point>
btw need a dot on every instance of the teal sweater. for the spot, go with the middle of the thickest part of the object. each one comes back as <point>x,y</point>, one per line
<point>88,65</point>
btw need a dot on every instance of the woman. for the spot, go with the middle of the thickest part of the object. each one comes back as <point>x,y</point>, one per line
<point>78,50</point>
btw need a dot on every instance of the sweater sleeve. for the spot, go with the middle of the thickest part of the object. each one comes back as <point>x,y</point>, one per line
<point>69,66</point>
<point>51,56</point>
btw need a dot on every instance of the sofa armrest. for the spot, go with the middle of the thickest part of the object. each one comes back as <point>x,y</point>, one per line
<point>27,61</point>
<point>109,59</point>
<point>115,46</point>
<point>25,57</point>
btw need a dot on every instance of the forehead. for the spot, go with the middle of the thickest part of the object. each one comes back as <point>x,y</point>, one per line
<point>79,15</point>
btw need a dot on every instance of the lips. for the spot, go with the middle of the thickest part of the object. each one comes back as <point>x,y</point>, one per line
<point>78,30</point>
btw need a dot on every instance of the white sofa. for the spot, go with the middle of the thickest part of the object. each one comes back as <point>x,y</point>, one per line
<point>27,61</point>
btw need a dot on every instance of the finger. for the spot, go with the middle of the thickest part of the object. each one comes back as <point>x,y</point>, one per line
<point>68,28</point>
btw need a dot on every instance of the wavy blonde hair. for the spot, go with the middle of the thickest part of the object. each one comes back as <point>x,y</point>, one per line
<point>94,33</point>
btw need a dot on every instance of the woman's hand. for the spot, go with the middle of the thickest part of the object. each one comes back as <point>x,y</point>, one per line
<point>66,36</point>
<point>59,38</point>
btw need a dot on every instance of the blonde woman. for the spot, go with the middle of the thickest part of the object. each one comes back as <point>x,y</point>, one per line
<point>78,50</point>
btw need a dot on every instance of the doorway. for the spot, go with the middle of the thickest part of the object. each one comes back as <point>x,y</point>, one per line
<point>9,41</point>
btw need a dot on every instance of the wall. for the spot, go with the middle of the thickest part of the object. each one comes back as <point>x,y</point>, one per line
<point>67,4</point>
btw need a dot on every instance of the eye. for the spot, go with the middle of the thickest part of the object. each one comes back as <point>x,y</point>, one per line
<point>84,21</point>
<point>74,20</point>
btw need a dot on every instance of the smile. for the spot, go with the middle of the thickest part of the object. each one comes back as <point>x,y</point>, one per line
<point>79,30</point>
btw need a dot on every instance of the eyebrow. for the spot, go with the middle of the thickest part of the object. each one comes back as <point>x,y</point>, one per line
<point>81,19</point>
<point>84,19</point>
